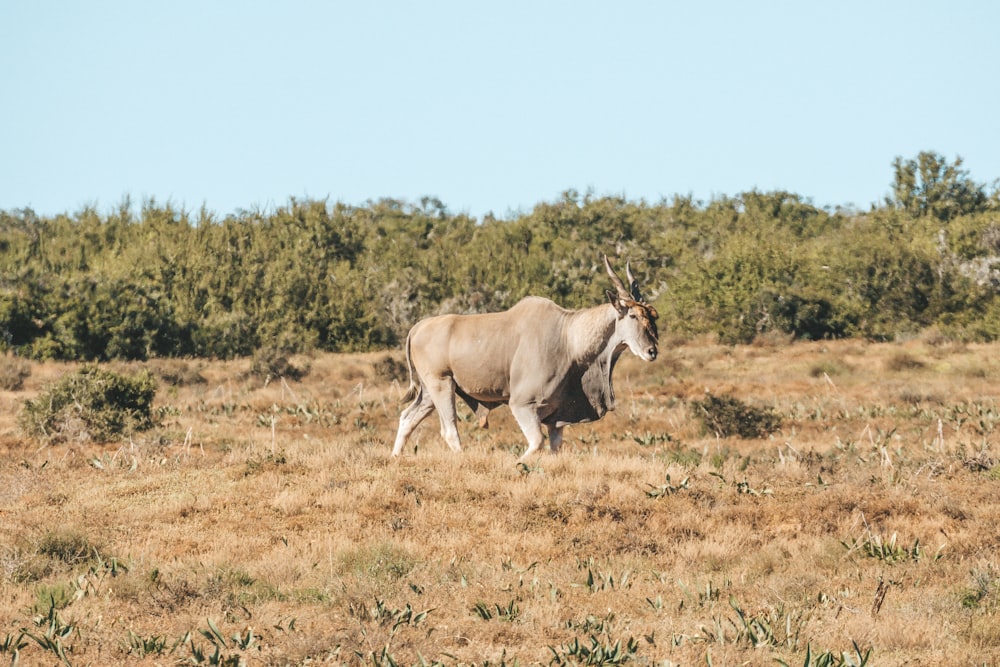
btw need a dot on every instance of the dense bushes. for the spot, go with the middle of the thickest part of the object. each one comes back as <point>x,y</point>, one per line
<point>157,282</point>
<point>727,416</point>
<point>91,404</point>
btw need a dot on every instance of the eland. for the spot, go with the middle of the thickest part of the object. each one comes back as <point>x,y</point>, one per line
<point>551,365</point>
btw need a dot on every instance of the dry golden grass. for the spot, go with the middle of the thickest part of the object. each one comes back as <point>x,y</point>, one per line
<point>870,519</point>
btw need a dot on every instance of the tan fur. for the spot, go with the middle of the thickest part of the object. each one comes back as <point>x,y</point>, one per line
<point>553,366</point>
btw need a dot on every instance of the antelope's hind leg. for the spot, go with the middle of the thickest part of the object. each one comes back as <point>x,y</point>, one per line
<point>411,417</point>
<point>442,393</point>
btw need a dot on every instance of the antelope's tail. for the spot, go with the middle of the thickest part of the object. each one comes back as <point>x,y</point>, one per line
<point>411,391</point>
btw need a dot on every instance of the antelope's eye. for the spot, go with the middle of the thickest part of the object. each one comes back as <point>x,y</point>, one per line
<point>632,315</point>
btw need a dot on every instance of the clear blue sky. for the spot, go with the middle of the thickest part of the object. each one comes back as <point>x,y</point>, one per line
<point>489,106</point>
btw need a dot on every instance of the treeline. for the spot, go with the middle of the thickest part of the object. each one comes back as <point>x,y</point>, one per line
<point>153,280</point>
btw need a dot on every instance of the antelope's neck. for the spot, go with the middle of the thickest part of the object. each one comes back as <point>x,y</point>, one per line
<point>589,332</point>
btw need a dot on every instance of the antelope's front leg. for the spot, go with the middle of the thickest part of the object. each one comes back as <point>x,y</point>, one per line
<point>555,438</point>
<point>531,426</point>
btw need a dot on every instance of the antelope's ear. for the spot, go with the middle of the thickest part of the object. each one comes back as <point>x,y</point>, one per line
<point>617,302</point>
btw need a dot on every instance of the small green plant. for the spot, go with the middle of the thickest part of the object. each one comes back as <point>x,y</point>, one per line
<point>234,648</point>
<point>267,461</point>
<point>982,586</point>
<point>745,488</point>
<point>648,439</point>
<point>91,404</point>
<point>598,580</point>
<point>144,646</point>
<point>727,416</point>
<point>774,627</point>
<point>54,633</point>
<point>515,662</point>
<point>829,659</point>
<point>594,652</point>
<point>379,625</point>
<point>56,596</point>
<point>702,597</point>
<point>384,615</point>
<point>681,455</point>
<point>667,489</point>
<point>12,644</point>
<point>510,613</point>
<point>483,611</point>
<point>381,562</point>
<point>886,550</point>
<point>593,624</point>
<point>524,469</point>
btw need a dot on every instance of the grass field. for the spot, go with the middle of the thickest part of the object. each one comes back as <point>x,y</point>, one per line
<point>264,524</point>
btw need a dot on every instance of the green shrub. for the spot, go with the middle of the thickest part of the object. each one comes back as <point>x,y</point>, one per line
<point>903,361</point>
<point>379,562</point>
<point>152,281</point>
<point>67,546</point>
<point>90,405</point>
<point>271,363</point>
<point>728,416</point>
<point>829,367</point>
<point>178,373</point>
<point>13,372</point>
<point>390,369</point>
